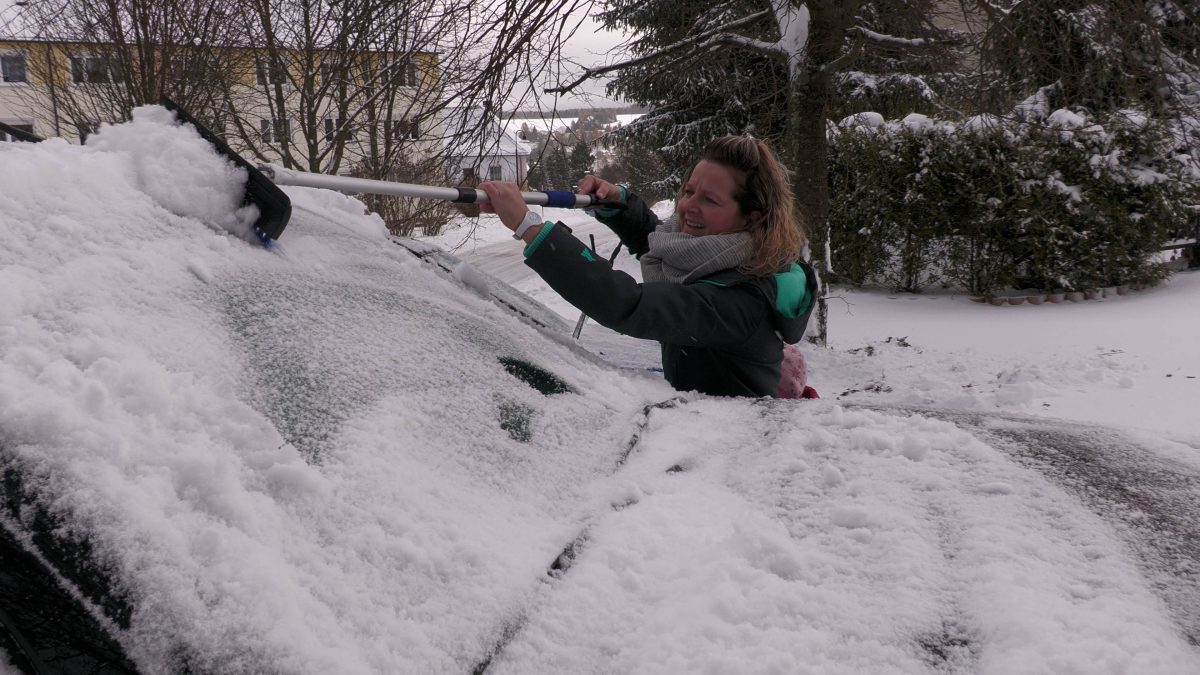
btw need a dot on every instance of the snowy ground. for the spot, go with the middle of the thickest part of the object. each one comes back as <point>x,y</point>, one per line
<point>1130,361</point>
<point>316,463</point>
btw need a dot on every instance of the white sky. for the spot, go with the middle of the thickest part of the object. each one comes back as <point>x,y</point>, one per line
<point>591,46</point>
<point>166,380</point>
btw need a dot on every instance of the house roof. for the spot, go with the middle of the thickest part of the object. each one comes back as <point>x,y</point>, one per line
<point>499,139</point>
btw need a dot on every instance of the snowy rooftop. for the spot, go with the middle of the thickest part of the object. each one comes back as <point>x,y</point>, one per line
<point>348,458</point>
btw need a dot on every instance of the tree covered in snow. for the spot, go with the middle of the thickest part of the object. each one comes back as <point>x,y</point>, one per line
<point>1097,55</point>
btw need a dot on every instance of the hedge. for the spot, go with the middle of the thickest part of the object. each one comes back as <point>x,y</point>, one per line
<point>988,204</point>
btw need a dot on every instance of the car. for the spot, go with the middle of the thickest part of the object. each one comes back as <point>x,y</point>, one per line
<point>358,454</point>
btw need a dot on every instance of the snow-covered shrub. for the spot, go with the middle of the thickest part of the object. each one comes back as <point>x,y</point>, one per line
<point>1067,201</point>
<point>916,204</point>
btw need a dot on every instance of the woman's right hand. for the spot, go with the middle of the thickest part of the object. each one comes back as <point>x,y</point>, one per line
<point>599,187</point>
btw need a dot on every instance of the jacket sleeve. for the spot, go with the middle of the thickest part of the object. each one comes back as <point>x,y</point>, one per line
<point>696,314</point>
<point>633,224</point>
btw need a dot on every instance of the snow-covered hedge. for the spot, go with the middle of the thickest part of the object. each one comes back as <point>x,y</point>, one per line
<point>1065,201</point>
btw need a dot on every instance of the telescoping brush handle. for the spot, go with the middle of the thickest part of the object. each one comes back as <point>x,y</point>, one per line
<point>562,200</point>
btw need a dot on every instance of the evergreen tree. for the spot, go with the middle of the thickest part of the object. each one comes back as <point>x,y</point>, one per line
<point>644,170</point>
<point>581,162</point>
<point>552,170</point>
<point>1101,56</point>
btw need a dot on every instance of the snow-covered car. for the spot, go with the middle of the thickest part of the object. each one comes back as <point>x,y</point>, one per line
<point>356,454</point>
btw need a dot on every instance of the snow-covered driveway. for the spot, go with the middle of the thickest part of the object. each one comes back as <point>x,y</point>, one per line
<point>1146,488</point>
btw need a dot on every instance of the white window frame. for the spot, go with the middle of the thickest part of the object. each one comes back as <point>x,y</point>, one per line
<point>83,59</point>
<point>391,130</point>
<point>4,138</point>
<point>271,131</point>
<point>333,128</point>
<point>192,65</point>
<point>411,77</point>
<point>4,74</point>
<point>495,172</point>
<point>265,75</point>
<point>331,73</point>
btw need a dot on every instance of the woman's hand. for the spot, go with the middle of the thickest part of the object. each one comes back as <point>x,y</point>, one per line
<point>599,187</point>
<point>504,200</point>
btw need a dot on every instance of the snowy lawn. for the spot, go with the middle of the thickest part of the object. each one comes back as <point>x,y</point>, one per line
<point>1131,360</point>
<point>318,462</point>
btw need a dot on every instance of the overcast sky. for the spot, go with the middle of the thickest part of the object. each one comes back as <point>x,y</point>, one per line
<point>590,46</point>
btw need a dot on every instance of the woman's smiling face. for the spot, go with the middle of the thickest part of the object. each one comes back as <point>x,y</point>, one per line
<point>706,205</point>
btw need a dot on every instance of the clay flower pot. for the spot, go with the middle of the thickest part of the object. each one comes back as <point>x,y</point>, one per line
<point>1074,296</point>
<point>996,301</point>
<point>1016,300</point>
<point>1035,299</point>
<point>1092,294</point>
<point>1055,297</point>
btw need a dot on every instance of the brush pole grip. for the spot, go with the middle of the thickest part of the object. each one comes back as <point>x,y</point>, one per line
<point>562,200</point>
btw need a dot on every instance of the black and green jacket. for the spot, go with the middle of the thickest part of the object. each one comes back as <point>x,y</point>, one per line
<point>721,335</point>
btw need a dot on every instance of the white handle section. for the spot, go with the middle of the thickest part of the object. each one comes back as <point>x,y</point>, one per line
<point>282,176</point>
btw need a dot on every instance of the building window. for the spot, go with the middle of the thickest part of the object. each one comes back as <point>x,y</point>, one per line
<point>12,68</point>
<point>399,72</point>
<point>332,73</point>
<point>495,172</point>
<point>334,130</point>
<point>266,73</point>
<point>401,130</point>
<point>94,70</point>
<point>19,126</point>
<point>274,131</point>
<point>193,67</point>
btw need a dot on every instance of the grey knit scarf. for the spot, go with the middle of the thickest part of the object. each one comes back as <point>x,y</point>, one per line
<point>681,258</point>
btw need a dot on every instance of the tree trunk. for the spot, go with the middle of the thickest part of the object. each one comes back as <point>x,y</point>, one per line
<point>810,183</point>
<point>808,100</point>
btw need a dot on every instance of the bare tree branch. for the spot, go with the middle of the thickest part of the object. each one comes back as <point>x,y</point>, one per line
<point>696,42</point>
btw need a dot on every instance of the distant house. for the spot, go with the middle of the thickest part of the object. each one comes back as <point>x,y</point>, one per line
<point>67,89</point>
<point>14,74</point>
<point>496,153</point>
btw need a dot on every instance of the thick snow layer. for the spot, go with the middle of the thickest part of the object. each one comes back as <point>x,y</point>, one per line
<point>842,542</point>
<point>324,460</point>
<point>289,463</point>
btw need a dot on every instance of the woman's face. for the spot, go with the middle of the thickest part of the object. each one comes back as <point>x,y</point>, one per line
<point>706,204</point>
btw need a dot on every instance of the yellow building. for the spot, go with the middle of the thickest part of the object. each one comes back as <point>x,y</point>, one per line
<point>306,109</point>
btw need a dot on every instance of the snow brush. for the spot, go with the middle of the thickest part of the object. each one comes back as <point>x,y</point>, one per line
<point>347,184</point>
<point>262,187</point>
<point>274,207</point>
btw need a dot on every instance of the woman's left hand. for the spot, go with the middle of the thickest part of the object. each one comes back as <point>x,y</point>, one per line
<point>504,200</point>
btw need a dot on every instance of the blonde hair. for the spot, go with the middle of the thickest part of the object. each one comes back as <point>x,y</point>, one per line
<point>763,186</point>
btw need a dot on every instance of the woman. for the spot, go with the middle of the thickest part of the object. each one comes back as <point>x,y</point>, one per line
<point>723,284</point>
